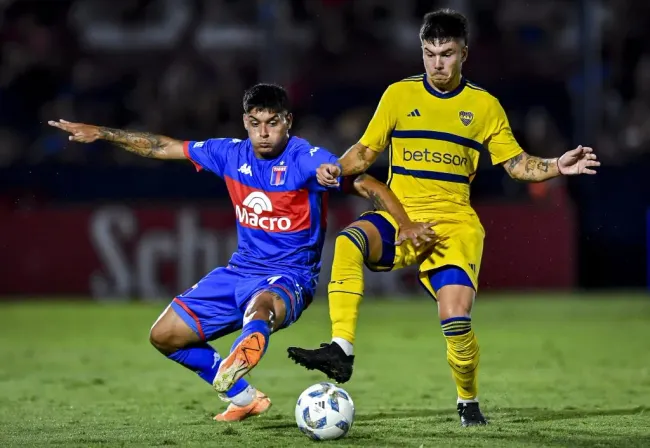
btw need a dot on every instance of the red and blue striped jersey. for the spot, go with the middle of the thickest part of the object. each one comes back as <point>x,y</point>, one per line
<point>280,209</point>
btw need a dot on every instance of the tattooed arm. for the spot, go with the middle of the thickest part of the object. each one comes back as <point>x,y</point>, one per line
<point>141,143</point>
<point>356,160</point>
<point>527,168</point>
<point>144,143</point>
<point>384,199</point>
<point>381,196</point>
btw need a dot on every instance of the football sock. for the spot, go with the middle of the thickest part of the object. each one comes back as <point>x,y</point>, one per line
<point>205,360</point>
<point>462,356</point>
<point>254,326</point>
<point>346,346</point>
<point>243,397</point>
<point>345,290</point>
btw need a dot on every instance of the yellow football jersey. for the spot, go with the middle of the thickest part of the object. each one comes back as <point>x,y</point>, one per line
<point>436,140</point>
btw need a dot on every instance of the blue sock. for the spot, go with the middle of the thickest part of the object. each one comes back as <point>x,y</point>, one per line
<point>205,360</point>
<point>254,326</point>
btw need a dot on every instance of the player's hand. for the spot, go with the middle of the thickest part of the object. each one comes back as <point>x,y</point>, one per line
<point>578,161</point>
<point>82,133</point>
<point>418,233</point>
<point>327,174</point>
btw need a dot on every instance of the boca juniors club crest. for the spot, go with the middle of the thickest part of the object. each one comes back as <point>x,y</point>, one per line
<point>278,174</point>
<point>465,117</point>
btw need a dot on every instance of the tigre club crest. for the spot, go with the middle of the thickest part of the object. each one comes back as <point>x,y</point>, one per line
<point>465,117</point>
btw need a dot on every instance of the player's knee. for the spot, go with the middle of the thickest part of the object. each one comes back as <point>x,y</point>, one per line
<point>455,301</point>
<point>170,333</point>
<point>453,310</point>
<point>161,338</point>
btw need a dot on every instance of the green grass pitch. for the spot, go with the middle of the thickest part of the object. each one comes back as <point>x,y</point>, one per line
<point>555,371</point>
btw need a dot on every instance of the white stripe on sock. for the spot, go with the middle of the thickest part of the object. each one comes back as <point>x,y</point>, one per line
<point>347,347</point>
<point>245,397</point>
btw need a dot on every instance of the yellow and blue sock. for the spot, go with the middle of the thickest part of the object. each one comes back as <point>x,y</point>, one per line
<point>345,290</point>
<point>462,355</point>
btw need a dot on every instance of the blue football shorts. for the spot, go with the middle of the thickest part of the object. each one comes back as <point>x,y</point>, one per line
<point>215,306</point>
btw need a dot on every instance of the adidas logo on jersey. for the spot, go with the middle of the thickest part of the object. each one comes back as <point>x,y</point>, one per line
<point>254,206</point>
<point>414,113</point>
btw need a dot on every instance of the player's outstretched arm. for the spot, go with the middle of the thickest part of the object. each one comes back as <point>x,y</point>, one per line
<point>360,156</point>
<point>141,143</point>
<point>356,160</point>
<point>527,168</point>
<point>384,199</point>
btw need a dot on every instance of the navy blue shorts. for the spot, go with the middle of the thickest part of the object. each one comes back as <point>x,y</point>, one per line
<point>215,306</point>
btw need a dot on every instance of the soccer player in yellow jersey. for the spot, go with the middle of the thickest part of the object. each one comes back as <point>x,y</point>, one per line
<point>437,125</point>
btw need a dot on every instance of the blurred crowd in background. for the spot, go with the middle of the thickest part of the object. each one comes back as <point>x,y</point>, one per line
<point>180,67</point>
<point>567,72</point>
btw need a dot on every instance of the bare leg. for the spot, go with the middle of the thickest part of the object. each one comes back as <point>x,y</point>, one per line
<point>170,333</point>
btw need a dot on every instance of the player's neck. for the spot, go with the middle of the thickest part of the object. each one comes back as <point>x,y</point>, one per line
<point>271,155</point>
<point>268,155</point>
<point>449,87</point>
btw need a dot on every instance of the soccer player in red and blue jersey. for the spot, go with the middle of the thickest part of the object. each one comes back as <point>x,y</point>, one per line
<point>281,217</point>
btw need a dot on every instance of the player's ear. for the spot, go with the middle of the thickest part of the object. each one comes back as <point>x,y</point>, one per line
<point>289,120</point>
<point>463,53</point>
<point>245,119</point>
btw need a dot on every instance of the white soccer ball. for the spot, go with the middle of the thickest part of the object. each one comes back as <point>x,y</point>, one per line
<point>324,412</point>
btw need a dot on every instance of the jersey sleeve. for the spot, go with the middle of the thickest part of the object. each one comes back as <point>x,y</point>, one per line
<point>377,135</point>
<point>209,154</point>
<point>309,161</point>
<point>500,141</point>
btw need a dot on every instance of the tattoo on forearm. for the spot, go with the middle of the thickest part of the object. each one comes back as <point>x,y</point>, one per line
<point>374,197</point>
<point>529,168</point>
<point>357,163</point>
<point>141,143</point>
<point>377,201</point>
<point>382,198</point>
<point>530,165</point>
<point>512,163</point>
<point>533,164</point>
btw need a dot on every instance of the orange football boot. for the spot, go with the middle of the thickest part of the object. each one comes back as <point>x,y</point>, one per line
<point>243,358</point>
<point>233,413</point>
